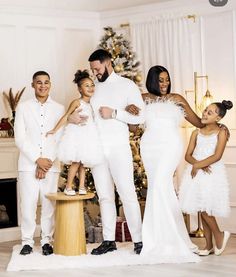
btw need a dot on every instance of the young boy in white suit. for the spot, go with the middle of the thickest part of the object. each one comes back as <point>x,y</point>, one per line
<point>37,165</point>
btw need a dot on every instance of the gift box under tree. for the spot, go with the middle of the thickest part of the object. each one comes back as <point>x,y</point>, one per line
<point>122,231</point>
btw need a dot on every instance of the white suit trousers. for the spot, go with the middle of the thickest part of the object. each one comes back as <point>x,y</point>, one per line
<point>32,189</point>
<point>117,169</point>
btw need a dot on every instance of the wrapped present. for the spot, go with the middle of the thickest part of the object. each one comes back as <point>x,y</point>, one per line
<point>122,231</point>
<point>98,236</point>
<point>94,234</point>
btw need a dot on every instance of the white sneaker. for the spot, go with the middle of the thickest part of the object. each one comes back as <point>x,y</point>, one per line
<point>69,192</point>
<point>225,240</point>
<point>82,191</point>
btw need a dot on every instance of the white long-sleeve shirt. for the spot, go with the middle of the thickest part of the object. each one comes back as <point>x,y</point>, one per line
<point>116,92</point>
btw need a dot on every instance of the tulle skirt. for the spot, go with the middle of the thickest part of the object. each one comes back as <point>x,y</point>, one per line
<point>80,143</point>
<point>205,192</point>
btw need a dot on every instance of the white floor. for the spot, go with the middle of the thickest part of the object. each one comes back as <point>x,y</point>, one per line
<point>222,266</point>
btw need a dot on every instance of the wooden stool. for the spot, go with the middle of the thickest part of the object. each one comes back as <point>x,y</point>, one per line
<point>69,238</point>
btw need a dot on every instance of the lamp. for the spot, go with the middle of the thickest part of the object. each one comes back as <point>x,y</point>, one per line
<point>205,101</point>
<point>207,98</point>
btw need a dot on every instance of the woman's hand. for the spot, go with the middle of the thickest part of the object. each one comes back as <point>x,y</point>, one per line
<point>225,128</point>
<point>132,109</point>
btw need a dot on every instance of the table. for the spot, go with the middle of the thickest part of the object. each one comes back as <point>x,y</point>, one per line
<point>69,237</point>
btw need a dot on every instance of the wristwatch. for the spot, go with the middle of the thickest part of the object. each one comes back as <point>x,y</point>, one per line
<point>114,113</point>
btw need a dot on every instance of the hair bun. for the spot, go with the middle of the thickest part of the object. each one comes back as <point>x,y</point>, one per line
<point>81,74</point>
<point>227,104</point>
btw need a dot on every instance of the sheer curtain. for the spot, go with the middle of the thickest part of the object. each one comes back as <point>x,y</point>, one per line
<point>165,41</point>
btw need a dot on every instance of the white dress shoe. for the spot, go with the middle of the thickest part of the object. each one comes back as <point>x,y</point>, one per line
<point>69,192</point>
<point>205,252</point>
<point>225,240</point>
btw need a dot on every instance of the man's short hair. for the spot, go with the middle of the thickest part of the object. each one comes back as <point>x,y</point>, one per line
<point>99,55</point>
<point>38,73</point>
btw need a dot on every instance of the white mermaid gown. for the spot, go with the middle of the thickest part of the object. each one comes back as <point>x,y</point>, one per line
<point>165,237</point>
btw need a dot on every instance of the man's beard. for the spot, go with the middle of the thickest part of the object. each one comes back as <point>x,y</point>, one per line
<point>105,75</point>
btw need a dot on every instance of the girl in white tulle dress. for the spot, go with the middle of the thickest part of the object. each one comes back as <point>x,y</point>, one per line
<point>79,145</point>
<point>204,185</point>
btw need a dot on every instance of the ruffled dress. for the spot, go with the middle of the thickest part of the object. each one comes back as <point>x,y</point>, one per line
<point>205,192</point>
<point>81,143</point>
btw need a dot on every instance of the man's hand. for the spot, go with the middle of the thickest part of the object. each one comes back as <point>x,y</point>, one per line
<point>106,112</point>
<point>39,173</point>
<point>132,109</point>
<point>76,118</point>
<point>44,163</point>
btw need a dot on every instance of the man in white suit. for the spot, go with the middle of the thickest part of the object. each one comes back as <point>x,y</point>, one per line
<point>112,94</point>
<point>37,166</point>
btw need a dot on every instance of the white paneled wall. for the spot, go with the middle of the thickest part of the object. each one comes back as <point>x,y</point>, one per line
<point>53,40</point>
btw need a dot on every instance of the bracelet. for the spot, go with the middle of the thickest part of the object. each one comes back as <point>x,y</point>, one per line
<point>114,114</point>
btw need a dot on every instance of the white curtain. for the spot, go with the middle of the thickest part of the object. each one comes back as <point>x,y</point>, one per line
<point>166,42</point>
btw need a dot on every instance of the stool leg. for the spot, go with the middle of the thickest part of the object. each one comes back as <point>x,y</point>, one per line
<point>69,239</point>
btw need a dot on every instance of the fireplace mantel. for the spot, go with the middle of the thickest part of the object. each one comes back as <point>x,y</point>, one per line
<point>8,158</point>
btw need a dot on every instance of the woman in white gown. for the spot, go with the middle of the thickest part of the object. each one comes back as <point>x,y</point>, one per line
<point>165,237</point>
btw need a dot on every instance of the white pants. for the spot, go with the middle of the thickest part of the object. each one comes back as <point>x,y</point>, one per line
<point>30,190</point>
<point>117,169</point>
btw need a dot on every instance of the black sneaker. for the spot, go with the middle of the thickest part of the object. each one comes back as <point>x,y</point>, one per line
<point>47,249</point>
<point>138,247</point>
<point>26,250</point>
<point>104,247</point>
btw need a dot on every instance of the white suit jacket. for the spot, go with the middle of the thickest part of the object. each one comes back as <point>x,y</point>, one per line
<point>33,120</point>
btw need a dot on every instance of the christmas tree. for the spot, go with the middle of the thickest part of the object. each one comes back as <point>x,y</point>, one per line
<point>123,58</point>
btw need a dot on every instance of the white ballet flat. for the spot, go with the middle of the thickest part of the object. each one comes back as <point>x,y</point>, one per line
<point>225,240</point>
<point>69,192</point>
<point>205,252</point>
<point>82,191</point>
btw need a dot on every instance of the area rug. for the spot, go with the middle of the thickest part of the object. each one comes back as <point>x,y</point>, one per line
<point>36,261</point>
<point>124,255</point>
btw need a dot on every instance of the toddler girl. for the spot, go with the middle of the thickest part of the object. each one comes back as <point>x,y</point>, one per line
<point>79,145</point>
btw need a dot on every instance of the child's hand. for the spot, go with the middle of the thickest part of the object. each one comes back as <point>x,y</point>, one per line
<point>194,171</point>
<point>50,133</point>
<point>207,169</point>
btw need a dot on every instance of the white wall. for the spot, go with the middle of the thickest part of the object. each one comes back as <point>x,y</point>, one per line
<point>44,39</point>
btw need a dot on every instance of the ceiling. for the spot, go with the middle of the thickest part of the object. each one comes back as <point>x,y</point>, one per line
<point>106,5</point>
<point>80,5</point>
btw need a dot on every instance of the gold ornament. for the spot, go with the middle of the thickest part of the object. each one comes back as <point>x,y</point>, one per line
<point>117,50</point>
<point>117,68</point>
<point>138,78</point>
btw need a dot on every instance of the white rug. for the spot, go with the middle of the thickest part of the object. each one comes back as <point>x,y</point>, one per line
<point>36,261</point>
<point>124,255</point>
